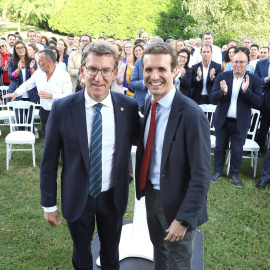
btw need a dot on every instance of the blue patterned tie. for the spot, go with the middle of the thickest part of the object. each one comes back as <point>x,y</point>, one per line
<point>96,153</point>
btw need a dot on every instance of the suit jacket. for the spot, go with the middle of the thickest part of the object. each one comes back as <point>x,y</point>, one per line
<point>137,85</point>
<point>261,71</point>
<point>66,132</point>
<point>198,85</point>
<point>185,82</point>
<point>185,169</point>
<point>252,97</point>
<point>16,82</point>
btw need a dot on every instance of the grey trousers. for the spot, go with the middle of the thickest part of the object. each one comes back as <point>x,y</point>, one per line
<point>167,255</point>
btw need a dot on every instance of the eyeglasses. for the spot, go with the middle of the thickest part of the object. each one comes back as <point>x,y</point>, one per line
<point>182,56</point>
<point>239,62</point>
<point>2,46</point>
<point>19,48</point>
<point>74,49</point>
<point>92,71</point>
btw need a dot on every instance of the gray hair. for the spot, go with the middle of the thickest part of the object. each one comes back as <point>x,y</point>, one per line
<point>207,45</point>
<point>100,49</point>
<point>49,55</point>
<point>155,39</point>
<point>197,40</point>
<point>162,48</point>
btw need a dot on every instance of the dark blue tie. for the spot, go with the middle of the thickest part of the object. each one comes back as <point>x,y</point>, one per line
<point>96,153</point>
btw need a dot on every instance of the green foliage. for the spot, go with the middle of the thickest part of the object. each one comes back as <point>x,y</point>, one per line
<point>231,19</point>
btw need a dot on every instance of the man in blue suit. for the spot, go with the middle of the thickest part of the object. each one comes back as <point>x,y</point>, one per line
<point>203,75</point>
<point>263,72</point>
<point>234,92</point>
<point>93,130</point>
<point>173,162</point>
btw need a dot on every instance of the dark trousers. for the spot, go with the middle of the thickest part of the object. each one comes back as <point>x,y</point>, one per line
<point>44,115</point>
<point>109,226</point>
<point>167,255</point>
<point>229,130</point>
<point>203,100</point>
<point>264,127</point>
<point>265,175</point>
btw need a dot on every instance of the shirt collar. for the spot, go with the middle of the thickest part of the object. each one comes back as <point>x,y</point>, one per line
<point>89,102</point>
<point>240,78</point>
<point>167,100</point>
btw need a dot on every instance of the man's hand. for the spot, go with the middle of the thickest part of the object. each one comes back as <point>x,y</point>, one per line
<point>12,96</point>
<point>45,95</point>
<point>176,232</point>
<point>52,218</point>
<point>245,84</point>
<point>199,72</point>
<point>224,87</point>
<point>267,78</point>
<point>212,73</point>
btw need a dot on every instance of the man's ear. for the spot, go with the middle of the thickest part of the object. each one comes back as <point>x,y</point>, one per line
<point>81,71</point>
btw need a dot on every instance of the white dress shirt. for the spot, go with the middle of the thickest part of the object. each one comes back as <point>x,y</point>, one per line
<point>216,56</point>
<point>204,77</point>
<point>232,111</point>
<point>59,85</point>
<point>108,139</point>
<point>162,115</point>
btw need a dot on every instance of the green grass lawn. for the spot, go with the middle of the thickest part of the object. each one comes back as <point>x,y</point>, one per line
<point>236,236</point>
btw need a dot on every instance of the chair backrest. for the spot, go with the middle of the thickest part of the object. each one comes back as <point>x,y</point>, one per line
<point>209,110</point>
<point>255,115</point>
<point>23,115</point>
<point>3,91</point>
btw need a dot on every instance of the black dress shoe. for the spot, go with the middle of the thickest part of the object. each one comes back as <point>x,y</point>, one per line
<point>261,185</point>
<point>216,176</point>
<point>260,155</point>
<point>236,181</point>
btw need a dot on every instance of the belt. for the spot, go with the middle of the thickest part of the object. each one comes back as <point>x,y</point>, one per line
<point>204,96</point>
<point>231,118</point>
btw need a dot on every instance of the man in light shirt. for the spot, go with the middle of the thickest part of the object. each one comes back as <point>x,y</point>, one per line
<point>31,35</point>
<point>234,92</point>
<point>174,141</point>
<point>52,83</point>
<point>94,130</point>
<point>217,55</point>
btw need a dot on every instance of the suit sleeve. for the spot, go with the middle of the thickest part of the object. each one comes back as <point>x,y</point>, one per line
<point>49,162</point>
<point>136,84</point>
<point>216,94</point>
<point>186,80</point>
<point>199,157</point>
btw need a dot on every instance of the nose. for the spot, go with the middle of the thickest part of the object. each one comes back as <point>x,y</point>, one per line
<point>98,75</point>
<point>155,75</point>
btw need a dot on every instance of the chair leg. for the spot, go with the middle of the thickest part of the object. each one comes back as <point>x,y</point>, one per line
<point>34,155</point>
<point>255,163</point>
<point>228,161</point>
<point>7,156</point>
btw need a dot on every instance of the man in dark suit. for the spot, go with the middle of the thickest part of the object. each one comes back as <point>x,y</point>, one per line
<point>169,168</point>
<point>263,72</point>
<point>234,92</point>
<point>94,130</point>
<point>203,76</point>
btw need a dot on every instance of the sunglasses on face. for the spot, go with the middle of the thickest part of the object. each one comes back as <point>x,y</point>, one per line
<point>2,46</point>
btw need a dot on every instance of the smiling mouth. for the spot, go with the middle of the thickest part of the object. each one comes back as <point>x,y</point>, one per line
<point>155,83</point>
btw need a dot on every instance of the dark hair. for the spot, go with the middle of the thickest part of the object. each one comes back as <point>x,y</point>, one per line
<point>16,57</point>
<point>265,47</point>
<point>57,52</point>
<point>70,35</point>
<point>19,37</point>
<point>101,37</point>
<point>33,46</point>
<point>134,57</point>
<point>232,40</point>
<point>11,35</point>
<point>47,40</point>
<point>100,49</point>
<point>54,39</point>
<point>162,48</point>
<point>138,41</point>
<point>86,35</point>
<point>31,31</point>
<point>245,50</point>
<point>51,42</point>
<point>49,55</point>
<point>17,33</point>
<point>110,37</point>
<point>207,33</point>
<point>206,45</point>
<point>255,45</point>
<point>226,55</point>
<point>188,53</point>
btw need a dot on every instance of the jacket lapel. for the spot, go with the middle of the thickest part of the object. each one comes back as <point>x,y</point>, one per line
<point>173,120</point>
<point>77,107</point>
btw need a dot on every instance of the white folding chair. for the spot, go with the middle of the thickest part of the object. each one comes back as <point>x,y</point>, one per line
<point>209,110</point>
<point>21,128</point>
<point>250,144</point>
<point>4,113</point>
